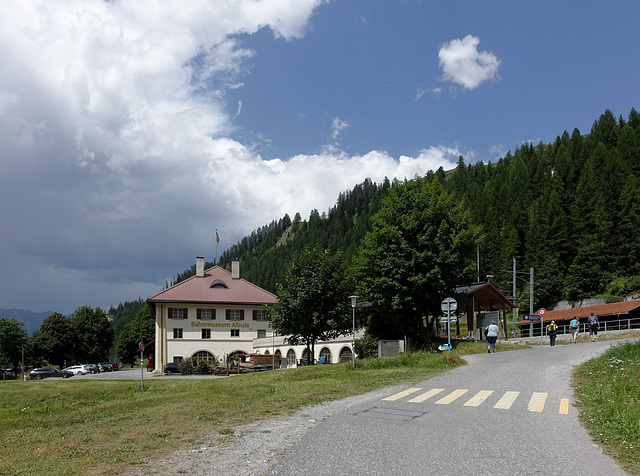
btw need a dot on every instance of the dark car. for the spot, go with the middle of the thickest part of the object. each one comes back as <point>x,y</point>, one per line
<point>105,366</point>
<point>171,368</point>
<point>92,368</point>
<point>46,372</point>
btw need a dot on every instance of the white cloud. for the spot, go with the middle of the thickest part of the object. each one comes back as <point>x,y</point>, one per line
<point>421,92</point>
<point>116,156</point>
<point>463,64</point>
<point>337,126</point>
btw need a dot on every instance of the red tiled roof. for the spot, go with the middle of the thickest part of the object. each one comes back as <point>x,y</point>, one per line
<point>197,289</point>
<point>601,310</point>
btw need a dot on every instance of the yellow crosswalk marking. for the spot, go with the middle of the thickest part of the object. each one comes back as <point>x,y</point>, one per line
<point>421,398</point>
<point>452,396</point>
<point>507,400</point>
<point>564,406</point>
<point>400,395</point>
<point>536,404</point>
<point>478,398</point>
<point>538,399</point>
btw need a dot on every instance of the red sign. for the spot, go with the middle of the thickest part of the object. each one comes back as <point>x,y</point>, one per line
<point>141,346</point>
<point>542,311</point>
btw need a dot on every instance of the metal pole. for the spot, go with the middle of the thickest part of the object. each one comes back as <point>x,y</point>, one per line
<point>353,344</point>
<point>514,298</point>
<point>354,299</point>
<point>449,323</point>
<point>24,377</point>
<point>141,370</point>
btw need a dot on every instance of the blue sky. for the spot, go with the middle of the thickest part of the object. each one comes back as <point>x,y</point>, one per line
<point>131,130</point>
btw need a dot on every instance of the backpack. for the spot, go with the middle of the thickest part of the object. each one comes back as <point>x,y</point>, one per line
<point>553,327</point>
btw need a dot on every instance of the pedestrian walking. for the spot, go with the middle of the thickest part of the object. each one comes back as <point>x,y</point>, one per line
<point>594,326</point>
<point>575,328</point>
<point>492,336</point>
<point>552,330</point>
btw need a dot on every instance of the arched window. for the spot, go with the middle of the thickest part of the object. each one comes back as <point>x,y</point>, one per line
<point>219,284</point>
<point>325,355</point>
<point>206,356</point>
<point>306,356</point>
<point>291,357</point>
<point>345,354</point>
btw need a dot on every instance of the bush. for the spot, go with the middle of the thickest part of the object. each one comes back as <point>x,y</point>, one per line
<point>202,367</point>
<point>185,367</point>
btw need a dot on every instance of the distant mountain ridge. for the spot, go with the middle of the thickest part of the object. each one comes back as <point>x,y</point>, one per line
<point>32,320</point>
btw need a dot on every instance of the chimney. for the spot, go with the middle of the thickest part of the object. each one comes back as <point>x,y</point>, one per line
<point>235,269</point>
<point>200,266</point>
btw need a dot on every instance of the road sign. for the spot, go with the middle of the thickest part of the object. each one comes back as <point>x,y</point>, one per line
<point>449,304</point>
<point>531,317</point>
<point>542,311</point>
<point>141,346</point>
<point>445,347</point>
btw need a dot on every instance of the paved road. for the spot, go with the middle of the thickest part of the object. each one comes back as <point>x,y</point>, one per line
<point>134,374</point>
<point>508,413</point>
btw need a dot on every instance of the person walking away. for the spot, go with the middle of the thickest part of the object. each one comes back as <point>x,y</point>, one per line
<point>575,328</point>
<point>492,336</point>
<point>594,326</point>
<point>552,330</point>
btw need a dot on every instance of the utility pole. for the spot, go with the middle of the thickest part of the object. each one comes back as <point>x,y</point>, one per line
<point>515,311</point>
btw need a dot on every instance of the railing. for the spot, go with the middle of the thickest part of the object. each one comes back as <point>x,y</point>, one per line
<point>619,325</point>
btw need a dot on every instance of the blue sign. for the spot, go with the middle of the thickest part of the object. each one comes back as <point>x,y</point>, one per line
<point>445,347</point>
<point>531,317</point>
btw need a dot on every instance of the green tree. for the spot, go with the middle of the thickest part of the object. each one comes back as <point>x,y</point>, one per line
<point>313,300</point>
<point>420,248</point>
<point>94,333</point>
<point>13,336</point>
<point>141,328</point>
<point>55,341</point>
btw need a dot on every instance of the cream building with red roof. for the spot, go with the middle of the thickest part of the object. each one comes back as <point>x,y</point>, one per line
<point>216,313</point>
<point>209,316</point>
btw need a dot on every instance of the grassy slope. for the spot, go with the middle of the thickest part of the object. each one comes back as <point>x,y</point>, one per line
<point>607,391</point>
<point>103,427</point>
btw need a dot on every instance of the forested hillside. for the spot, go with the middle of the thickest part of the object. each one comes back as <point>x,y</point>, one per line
<point>570,210</point>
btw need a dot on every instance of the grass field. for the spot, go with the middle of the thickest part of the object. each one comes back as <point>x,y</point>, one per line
<point>67,427</point>
<point>99,427</point>
<point>607,391</point>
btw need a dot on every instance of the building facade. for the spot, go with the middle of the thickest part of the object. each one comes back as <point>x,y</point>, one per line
<point>215,314</point>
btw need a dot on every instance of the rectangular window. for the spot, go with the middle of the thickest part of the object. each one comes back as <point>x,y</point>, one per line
<point>235,332</point>
<point>177,359</point>
<point>206,333</point>
<point>259,315</point>
<point>262,333</point>
<point>177,333</point>
<point>205,314</point>
<point>234,314</point>
<point>178,313</point>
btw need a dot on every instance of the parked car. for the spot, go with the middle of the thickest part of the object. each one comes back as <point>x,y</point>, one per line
<point>115,366</point>
<point>46,372</point>
<point>76,370</point>
<point>171,368</point>
<point>105,366</point>
<point>92,368</point>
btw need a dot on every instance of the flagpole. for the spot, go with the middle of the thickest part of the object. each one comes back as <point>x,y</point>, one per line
<point>217,241</point>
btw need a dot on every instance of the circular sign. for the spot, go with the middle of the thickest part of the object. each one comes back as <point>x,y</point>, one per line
<point>449,304</point>
<point>141,346</point>
<point>542,311</point>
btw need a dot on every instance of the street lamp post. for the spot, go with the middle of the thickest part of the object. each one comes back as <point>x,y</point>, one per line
<point>354,299</point>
